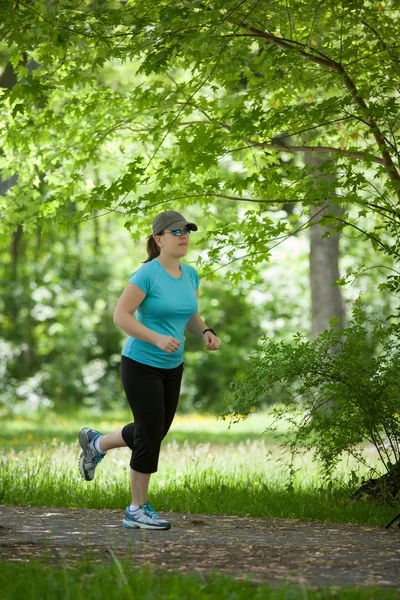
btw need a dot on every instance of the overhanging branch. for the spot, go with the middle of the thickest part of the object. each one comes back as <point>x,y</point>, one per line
<point>319,149</point>
<point>226,197</point>
<point>321,59</point>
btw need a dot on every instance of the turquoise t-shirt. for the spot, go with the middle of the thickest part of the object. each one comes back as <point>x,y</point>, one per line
<point>169,304</point>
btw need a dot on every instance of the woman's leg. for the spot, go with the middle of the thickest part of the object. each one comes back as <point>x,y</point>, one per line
<point>144,391</point>
<point>112,440</point>
<point>139,486</point>
<point>172,387</point>
<point>172,383</point>
<point>152,394</point>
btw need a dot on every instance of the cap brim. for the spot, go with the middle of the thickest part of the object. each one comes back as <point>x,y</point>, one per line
<point>182,225</point>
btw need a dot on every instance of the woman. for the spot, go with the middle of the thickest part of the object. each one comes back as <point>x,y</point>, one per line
<point>164,292</point>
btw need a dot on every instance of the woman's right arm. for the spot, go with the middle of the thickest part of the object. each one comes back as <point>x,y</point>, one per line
<point>130,300</point>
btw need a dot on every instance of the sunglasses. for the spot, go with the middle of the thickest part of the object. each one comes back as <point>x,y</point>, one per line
<point>178,232</point>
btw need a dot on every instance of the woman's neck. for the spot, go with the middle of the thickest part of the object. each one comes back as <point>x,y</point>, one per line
<point>171,263</point>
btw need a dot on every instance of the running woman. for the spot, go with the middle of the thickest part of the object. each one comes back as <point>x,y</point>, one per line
<point>163,296</point>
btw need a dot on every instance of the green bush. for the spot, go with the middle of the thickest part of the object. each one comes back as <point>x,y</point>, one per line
<point>337,392</point>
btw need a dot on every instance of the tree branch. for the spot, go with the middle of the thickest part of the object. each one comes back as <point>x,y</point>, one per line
<point>372,237</point>
<point>317,149</point>
<point>283,148</point>
<point>281,240</point>
<point>324,61</point>
<point>214,195</point>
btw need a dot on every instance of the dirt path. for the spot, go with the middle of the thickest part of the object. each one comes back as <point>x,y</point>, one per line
<point>271,550</point>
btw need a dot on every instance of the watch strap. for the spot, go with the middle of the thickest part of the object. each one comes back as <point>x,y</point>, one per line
<point>209,329</point>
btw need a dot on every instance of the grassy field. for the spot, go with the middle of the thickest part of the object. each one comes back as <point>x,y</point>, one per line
<point>205,466</point>
<point>21,433</point>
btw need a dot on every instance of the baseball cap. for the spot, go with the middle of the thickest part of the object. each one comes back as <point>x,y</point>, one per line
<point>170,219</point>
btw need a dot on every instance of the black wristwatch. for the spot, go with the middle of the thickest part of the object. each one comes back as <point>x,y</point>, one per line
<point>209,329</point>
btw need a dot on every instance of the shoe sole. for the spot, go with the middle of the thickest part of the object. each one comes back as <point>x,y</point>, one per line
<point>83,438</point>
<point>83,441</point>
<point>135,525</point>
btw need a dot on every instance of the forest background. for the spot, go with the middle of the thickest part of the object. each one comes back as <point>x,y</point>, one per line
<point>275,130</point>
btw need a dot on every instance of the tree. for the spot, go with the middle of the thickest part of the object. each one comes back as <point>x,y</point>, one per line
<point>189,57</point>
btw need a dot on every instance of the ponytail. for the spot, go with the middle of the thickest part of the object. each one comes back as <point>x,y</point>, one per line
<point>153,250</point>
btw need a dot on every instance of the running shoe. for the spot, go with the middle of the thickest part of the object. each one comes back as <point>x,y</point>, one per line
<point>89,457</point>
<point>144,517</point>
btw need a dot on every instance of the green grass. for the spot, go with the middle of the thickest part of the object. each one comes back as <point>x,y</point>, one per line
<point>22,433</point>
<point>117,579</point>
<point>42,481</point>
<point>244,476</point>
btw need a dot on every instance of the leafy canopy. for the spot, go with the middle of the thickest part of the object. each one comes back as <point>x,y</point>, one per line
<point>221,100</point>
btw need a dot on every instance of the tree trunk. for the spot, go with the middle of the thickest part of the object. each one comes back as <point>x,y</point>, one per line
<point>326,298</point>
<point>385,489</point>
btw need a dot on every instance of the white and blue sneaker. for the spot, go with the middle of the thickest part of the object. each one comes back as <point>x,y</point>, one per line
<point>89,457</point>
<point>144,517</point>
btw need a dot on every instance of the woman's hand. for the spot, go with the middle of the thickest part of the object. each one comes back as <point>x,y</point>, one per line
<point>167,343</point>
<point>211,340</point>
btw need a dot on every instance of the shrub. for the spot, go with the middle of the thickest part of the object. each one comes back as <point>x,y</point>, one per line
<point>337,392</point>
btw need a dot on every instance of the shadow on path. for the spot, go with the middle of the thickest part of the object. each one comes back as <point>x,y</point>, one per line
<point>271,550</point>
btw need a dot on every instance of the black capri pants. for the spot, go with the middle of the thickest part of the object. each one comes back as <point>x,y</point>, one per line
<point>153,395</point>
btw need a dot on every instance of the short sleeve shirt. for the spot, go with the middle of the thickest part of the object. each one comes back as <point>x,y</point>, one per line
<point>169,304</point>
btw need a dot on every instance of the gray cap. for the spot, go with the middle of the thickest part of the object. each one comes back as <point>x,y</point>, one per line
<point>170,219</point>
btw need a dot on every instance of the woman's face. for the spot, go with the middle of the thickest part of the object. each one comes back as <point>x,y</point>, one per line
<point>174,245</point>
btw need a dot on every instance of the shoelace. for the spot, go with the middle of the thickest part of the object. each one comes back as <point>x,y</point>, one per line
<point>98,458</point>
<point>149,510</point>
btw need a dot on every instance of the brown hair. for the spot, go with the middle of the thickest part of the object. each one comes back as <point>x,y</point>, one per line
<point>153,250</point>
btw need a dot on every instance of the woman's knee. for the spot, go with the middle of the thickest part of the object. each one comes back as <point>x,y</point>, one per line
<point>128,434</point>
<point>150,432</point>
